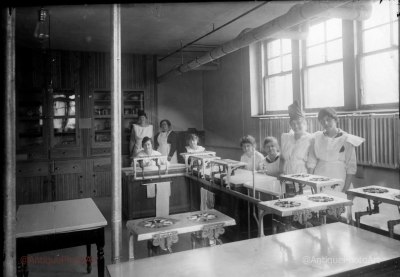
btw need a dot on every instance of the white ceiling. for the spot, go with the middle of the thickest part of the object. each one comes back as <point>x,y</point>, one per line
<point>146,28</point>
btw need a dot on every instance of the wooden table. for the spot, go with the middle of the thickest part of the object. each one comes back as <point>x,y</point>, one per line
<point>56,225</point>
<point>332,249</point>
<point>381,195</point>
<point>165,236</point>
<point>316,182</point>
<point>302,212</point>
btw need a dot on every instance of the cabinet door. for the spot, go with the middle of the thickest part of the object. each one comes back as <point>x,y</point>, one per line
<point>68,179</point>
<point>32,124</point>
<point>101,177</point>
<point>64,131</point>
<point>33,183</point>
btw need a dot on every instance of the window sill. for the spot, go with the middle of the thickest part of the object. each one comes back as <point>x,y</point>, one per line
<point>340,113</point>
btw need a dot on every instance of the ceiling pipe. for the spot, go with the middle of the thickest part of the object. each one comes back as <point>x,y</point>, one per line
<point>298,14</point>
<point>354,11</point>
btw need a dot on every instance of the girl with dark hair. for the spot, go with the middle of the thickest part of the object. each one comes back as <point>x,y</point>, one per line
<point>192,147</point>
<point>271,161</point>
<point>147,151</point>
<point>139,131</point>
<point>250,156</point>
<point>165,141</point>
<point>332,152</point>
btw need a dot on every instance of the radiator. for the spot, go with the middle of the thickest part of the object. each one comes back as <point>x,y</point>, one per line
<point>381,133</point>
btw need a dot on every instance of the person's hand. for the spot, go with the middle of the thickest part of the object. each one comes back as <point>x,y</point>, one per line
<point>169,158</point>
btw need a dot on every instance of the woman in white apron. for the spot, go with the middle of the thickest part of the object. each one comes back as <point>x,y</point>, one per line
<point>166,141</point>
<point>333,153</point>
<point>139,131</point>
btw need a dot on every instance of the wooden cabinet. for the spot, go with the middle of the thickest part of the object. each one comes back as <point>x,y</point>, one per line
<point>63,131</point>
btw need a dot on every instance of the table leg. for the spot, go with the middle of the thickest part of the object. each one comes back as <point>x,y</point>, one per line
<point>391,224</point>
<point>131,246</point>
<point>22,265</point>
<point>261,214</point>
<point>350,211</point>
<point>100,252</point>
<point>88,258</point>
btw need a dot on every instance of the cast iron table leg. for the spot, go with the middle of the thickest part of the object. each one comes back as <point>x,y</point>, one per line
<point>88,258</point>
<point>100,252</point>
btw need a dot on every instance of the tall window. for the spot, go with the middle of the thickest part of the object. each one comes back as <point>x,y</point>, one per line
<point>278,74</point>
<point>379,59</point>
<point>323,69</point>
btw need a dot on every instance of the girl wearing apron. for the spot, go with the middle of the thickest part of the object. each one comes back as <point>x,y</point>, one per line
<point>165,141</point>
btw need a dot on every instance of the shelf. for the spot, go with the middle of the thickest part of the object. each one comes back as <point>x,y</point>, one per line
<point>26,118</point>
<point>130,116</point>
<point>133,101</point>
<point>102,131</point>
<point>102,101</point>
<point>30,135</point>
<point>64,134</point>
<point>102,117</point>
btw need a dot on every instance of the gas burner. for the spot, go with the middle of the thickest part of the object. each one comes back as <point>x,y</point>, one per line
<point>300,175</point>
<point>157,222</point>
<point>202,217</point>
<point>375,190</point>
<point>319,179</point>
<point>320,198</point>
<point>287,204</point>
<point>397,196</point>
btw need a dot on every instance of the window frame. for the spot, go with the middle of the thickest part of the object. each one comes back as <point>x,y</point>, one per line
<point>360,54</point>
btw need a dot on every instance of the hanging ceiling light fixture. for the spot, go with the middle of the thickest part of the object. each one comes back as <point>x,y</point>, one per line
<point>42,26</point>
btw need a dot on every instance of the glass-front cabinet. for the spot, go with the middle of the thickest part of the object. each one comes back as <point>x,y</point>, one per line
<point>133,101</point>
<point>47,124</point>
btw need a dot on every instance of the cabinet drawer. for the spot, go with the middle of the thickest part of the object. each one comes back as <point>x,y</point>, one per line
<point>64,167</point>
<point>32,169</point>
<point>101,151</point>
<point>66,153</point>
<point>101,165</point>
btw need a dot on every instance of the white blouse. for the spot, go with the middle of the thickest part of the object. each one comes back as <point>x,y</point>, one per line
<point>249,161</point>
<point>334,157</point>
<point>295,152</point>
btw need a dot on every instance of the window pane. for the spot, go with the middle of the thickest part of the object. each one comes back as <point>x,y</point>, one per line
<point>287,63</point>
<point>334,50</point>
<point>274,66</point>
<point>376,38</point>
<point>273,48</point>
<point>315,55</point>
<point>380,14</point>
<point>316,34</point>
<point>380,78</point>
<point>286,46</point>
<point>396,33</point>
<point>279,92</point>
<point>333,28</point>
<point>325,86</point>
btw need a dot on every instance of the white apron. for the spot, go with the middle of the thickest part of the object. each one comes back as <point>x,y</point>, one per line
<point>164,147</point>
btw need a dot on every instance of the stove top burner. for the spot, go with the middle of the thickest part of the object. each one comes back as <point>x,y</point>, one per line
<point>300,175</point>
<point>287,204</point>
<point>375,190</point>
<point>319,179</point>
<point>320,198</point>
<point>202,217</point>
<point>157,222</point>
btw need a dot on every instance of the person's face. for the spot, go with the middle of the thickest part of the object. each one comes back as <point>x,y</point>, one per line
<point>271,149</point>
<point>193,143</point>
<point>298,125</point>
<point>247,148</point>
<point>328,123</point>
<point>142,119</point>
<point>164,126</point>
<point>147,146</point>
